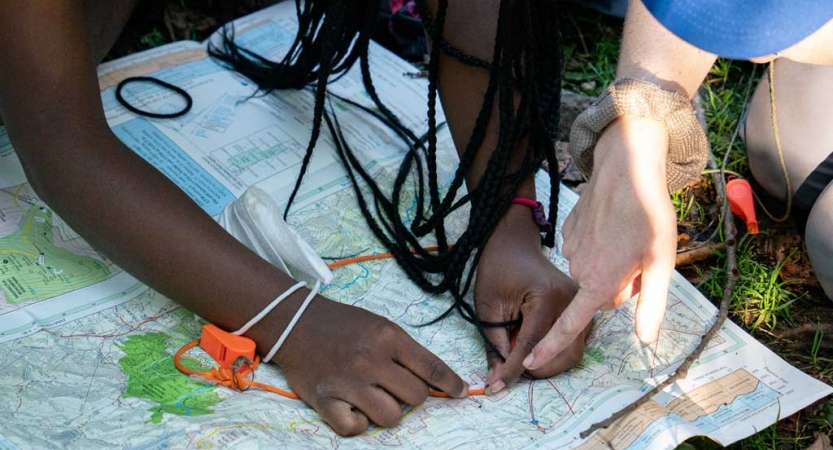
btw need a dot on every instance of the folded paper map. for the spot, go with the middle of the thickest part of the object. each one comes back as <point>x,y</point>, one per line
<point>87,350</point>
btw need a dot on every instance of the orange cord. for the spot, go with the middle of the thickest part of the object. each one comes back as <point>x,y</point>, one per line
<point>374,257</point>
<point>237,380</point>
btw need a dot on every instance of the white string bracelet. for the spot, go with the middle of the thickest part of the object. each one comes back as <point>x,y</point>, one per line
<point>269,308</point>
<point>292,322</point>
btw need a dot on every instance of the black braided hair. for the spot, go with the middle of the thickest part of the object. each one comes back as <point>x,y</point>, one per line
<point>526,62</point>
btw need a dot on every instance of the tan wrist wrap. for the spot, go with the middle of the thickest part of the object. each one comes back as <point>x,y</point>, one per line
<point>688,147</point>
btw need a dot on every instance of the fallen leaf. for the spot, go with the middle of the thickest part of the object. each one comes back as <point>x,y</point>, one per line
<point>822,442</point>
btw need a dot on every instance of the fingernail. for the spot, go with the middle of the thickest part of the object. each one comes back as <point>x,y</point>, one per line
<point>647,337</point>
<point>495,387</point>
<point>529,360</point>
<point>465,391</point>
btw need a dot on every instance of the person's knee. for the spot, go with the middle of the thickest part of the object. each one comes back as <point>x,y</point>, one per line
<point>819,238</point>
<point>760,145</point>
<point>804,99</point>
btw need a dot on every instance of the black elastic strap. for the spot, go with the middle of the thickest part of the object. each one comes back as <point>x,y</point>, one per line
<point>189,102</point>
<point>807,194</point>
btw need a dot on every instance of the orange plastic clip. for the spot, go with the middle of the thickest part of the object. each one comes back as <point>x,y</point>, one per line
<point>226,348</point>
<point>739,193</point>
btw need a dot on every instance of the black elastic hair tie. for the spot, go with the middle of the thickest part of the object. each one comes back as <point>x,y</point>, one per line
<point>189,102</point>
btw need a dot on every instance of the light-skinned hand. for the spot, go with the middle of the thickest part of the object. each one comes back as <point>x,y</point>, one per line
<point>620,238</point>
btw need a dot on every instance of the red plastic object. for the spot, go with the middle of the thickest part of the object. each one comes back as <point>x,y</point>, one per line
<point>739,193</point>
<point>225,347</point>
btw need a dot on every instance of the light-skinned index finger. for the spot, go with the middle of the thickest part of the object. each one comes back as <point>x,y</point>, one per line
<point>653,300</point>
<point>430,368</point>
<point>567,328</point>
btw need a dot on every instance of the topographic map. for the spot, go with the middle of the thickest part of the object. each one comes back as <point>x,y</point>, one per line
<point>41,257</point>
<point>48,274</point>
<point>87,350</point>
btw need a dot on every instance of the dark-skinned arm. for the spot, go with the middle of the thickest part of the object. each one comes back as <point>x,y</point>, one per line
<point>50,102</point>
<point>346,362</point>
<point>514,279</point>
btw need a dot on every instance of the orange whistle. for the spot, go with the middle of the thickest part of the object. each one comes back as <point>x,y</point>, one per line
<point>225,347</point>
<point>739,193</point>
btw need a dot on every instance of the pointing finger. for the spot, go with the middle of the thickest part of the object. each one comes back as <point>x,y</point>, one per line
<point>653,298</point>
<point>566,329</point>
<point>566,360</point>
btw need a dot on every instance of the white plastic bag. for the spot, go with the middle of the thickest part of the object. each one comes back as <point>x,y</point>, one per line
<point>255,220</point>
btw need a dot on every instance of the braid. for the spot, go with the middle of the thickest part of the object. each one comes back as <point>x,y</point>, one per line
<point>526,61</point>
<point>431,156</point>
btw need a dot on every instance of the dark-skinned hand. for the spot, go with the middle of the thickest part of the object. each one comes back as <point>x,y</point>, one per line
<point>355,367</point>
<point>515,280</point>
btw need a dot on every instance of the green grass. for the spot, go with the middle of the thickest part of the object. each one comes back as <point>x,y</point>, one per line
<point>760,297</point>
<point>818,338</point>
<point>724,99</point>
<point>690,212</point>
<point>155,38</point>
<point>825,418</point>
<point>591,50</point>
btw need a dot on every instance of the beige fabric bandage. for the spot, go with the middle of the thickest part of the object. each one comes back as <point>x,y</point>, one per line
<point>688,147</point>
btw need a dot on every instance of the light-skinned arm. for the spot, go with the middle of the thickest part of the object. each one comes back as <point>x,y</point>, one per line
<point>620,238</point>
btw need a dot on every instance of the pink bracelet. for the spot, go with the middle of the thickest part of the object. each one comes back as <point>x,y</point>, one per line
<point>538,213</point>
